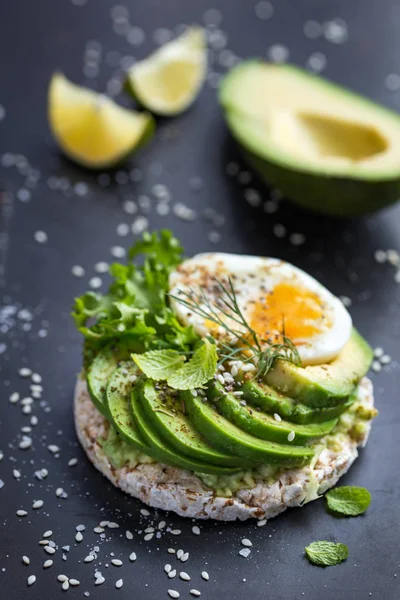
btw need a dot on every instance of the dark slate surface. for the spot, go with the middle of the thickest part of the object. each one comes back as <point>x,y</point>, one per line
<point>38,37</point>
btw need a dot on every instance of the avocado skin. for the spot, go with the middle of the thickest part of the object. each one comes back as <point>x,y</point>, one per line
<point>263,425</point>
<point>177,429</point>
<point>102,367</point>
<point>262,396</point>
<point>227,437</point>
<point>323,386</point>
<point>161,451</point>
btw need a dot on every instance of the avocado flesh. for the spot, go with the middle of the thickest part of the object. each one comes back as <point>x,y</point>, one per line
<point>165,413</point>
<point>327,148</point>
<point>327,385</point>
<point>118,395</point>
<point>263,425</point>
<point>265,398</point>
<point>229,438</point>
<point>161,450</point>
<point>102,367</point>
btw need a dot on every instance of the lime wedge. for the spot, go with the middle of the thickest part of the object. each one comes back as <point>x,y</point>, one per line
<point>169,80</point>
<point>90,128</point>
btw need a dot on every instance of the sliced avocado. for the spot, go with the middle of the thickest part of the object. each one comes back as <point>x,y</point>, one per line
<point>162,451</point>
<point>262,396</point>
<point>103,365</point>
<point>327,148</point>
<point>118,396</point>
<point>263,425</point>
<point>165,413</point>
<point>325,385</point>
<point>229,438</point>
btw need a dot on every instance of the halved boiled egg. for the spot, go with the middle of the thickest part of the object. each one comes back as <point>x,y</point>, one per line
<point>273,297</point>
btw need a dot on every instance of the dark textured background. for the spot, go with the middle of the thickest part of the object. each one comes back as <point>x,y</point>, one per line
<point>35,39</point>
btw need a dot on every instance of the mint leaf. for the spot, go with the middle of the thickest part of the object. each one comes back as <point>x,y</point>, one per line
<point>348,500</point>
<point>326,554</point>
<point>159,364</point>
<point>198,370</point>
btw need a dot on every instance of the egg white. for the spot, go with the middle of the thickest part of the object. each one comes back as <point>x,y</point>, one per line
<point>253,277</point>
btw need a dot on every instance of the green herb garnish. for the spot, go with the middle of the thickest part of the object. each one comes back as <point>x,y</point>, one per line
<point>168,365</point>
<point>348,500</point>
<point>326,554</point>
<point>244,338</point>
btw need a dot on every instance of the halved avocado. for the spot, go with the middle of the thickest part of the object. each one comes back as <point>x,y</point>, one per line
<point>327,148</point>
<point>229,438</point>
<point>118,396</point>
<point>165,413</point>
<point>103,365</point>
<point>323,386</point>
<point>162,451</point>
<point>263,425</point>
<point>262,396</point>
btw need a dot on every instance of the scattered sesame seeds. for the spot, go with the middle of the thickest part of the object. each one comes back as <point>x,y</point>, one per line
<point>386,359</point>
<point>53,448</point>
<point>37,504</point>
<point>205,575</point>
<point>185,557</point>
<point>171,551</point>
<point>261,522</point>
<point>89,558</point>
<point>171,574</point>
<point>21,513</point>
<point>376,366</point>
<point>195,592</point>
<point>279,230</point>
<point>26,560</point>
<point>278,53</point>
<point>246,542</point>
<point>78,537</point>
<point>196,530</point>
<point>47,533</point>
<point>183,575</point>
<point>128,535</point>
<point>65,585</point>
<point>47,563</point>
<point>72,462</point>
<point>49,549</point>
<point>277,417</point>
<point>74,582</point>
<point>62,578</point>
<point>118,252</point>
<point>297,239</point>
<point>119,583</point>
<point>16,473</point>
<point>291,436</point>
<point>176,532</point>
<point>78,271</point>
<point>132,557</point>
<point>25,372</point>
<point>31,580</point>
<point>173,594</point>
<point>95,282</point>
<point>99,580</point>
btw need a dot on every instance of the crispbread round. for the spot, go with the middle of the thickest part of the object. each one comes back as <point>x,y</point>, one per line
<point>169,488</point>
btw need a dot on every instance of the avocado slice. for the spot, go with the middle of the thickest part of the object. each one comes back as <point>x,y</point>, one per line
<point>265,398</point>
<point>161,449</point>
<point>103,365</point>
<point>118,395</point>
<point>228,437</point>
<point>327,148</point>
<point>263,425</point>
<point>165,413</point>
<point>325,385</point>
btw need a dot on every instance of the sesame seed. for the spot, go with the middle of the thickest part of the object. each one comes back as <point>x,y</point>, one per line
<point>148,537</point>
<point>297,239</point>
<point>99,580</point>
<point>49,550</point>
<point>129,535</point>
<point>172,573</point>
<point>185,557</point>
<point>31,579</point>
<point>53,448</point>
<point>205,575</point>
<point>80,528</point>
<point>72,462</point>
<point>25,372</point>
<point>132,557</point>
<point>14,397</point>
<point>65,585</point>
<point>167,568</point>
<point>37,504</point>
<point>380,256</point>
<point>21,513</point>
<point>234,371</point>
<point>173,594</point>
<point>26,560</point>
<point>277,417</point>
<point>95,282</point>
<point>119,583</point>
<point>246,542</point>
<point>98,529</point>
<point>78,537</point>
<point>248,367</point>
<point>376,366</point>
<point>195,593</point>
<point>264,10</point>
<point>279,230</point>
<point>184,576</point>
<point>112,525</point>
<point>47,533</point>
<point>171,551</point>
<point>291,436</point>
<point>386,359</point>
<point>161,525</point>
<point>176,531</point>
<point>16,473</point>
<point>40,237</point>
<point>196,530</point>
<point>179,553</point>
<point>89,558</point>
<point>74,582</point>
<point>47,563</point>
<point>62,578</point>
<point>43,542</point>
<point>78,271</point>
<point>118,251</point>
<point>221,378</point>
<point>116,562</point>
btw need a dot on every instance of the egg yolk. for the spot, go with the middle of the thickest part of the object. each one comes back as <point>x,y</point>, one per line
<point>301,311</point>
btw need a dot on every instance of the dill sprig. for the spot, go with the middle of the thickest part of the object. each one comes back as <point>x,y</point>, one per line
<point>244,340</point>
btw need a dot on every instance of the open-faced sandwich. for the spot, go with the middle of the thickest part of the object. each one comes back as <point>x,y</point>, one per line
<point>223,386</point>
